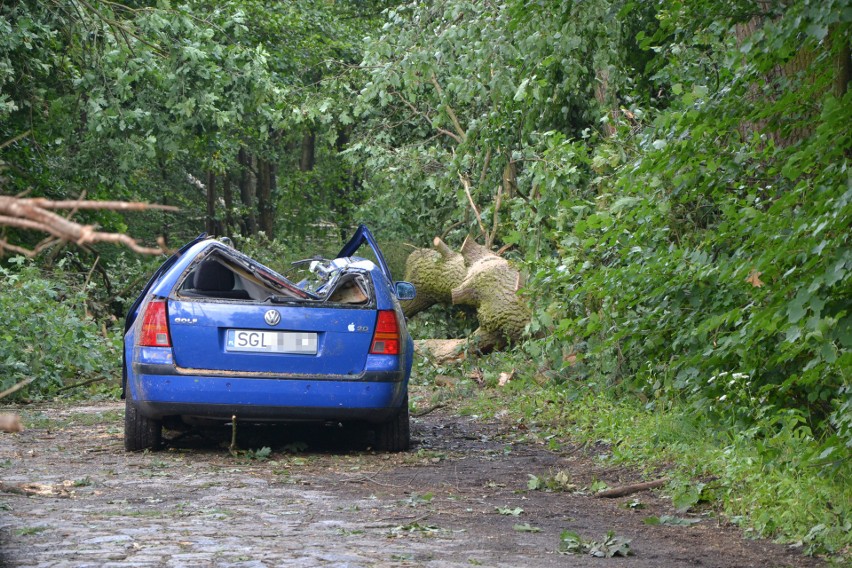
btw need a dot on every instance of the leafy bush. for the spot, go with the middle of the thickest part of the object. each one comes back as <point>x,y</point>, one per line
<point>714,262</point>
<point>46,334</point>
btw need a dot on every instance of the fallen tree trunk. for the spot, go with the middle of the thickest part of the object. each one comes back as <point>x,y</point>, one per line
<point>477,277</point>
<point>434,273</point>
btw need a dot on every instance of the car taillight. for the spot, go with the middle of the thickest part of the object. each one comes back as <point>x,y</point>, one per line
<point>155,326</point>
<point>386,336</point>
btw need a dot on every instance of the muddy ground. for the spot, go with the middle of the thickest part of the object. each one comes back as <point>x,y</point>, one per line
<point>72,497</point>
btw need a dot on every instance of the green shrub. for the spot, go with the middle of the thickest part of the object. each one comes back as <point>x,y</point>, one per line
<point>46,334</point>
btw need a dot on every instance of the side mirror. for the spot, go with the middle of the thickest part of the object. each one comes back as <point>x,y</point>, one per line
<point>405,290</point>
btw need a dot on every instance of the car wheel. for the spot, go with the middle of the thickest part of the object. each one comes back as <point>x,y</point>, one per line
<point>140,432</point>
<point>395,434</point>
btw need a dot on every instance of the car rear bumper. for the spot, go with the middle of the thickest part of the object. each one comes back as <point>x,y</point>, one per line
<point>366,397</point>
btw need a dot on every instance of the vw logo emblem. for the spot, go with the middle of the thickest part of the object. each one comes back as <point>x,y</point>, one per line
<point>272,317</point>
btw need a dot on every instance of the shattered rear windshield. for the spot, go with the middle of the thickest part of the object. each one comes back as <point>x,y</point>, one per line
<point>224,273</point>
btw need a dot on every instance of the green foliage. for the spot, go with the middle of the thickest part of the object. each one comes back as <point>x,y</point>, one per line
<point>611,545</point>
<point>681,188</point>
<point>442,322</point>
<point>715,263</point>
<point>47,335</point>
<point>471,90</point>
<point>147,103</point>
<point>259,455</point>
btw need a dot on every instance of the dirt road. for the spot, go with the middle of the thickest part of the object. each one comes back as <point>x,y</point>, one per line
<point>460,497</point>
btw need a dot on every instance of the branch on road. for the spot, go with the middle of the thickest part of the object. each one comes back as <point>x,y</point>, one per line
<point>630,489</point>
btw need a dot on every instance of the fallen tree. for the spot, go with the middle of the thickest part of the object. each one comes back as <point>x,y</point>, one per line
<point>474,276</point>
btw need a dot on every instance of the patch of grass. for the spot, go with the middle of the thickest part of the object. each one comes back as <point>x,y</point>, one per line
<point>27,531</point>
<point>40,420</point>
<point>347,532</point>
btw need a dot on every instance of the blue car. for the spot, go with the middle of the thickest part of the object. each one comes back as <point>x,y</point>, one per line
<point>216,335</point>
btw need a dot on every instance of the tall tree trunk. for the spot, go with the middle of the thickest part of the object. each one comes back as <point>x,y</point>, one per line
<point>210,220</point>
<point>606,99</point>
<point>306,163</point>
<point>345,192</point>
<point>247,193</point>
<point>265,206</point>
<point>228,196</point>
<point>844,63</point>
<point>164,200</point>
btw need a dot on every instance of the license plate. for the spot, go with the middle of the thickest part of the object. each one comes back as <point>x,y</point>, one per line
<point>254,341</point>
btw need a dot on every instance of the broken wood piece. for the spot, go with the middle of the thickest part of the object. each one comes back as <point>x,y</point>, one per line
<point>10,423</point>
<point>61,490</point>
<point>630,489</point>
<point>441,351</point>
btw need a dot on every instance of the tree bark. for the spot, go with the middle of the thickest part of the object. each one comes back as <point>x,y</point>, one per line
<point>210,219</point>
<point>247,193</point>
<point>228,196</point>
<point>434,273</point>
<point>843,73</point>
<point>475,276</point>
<point>308,159</point>
<point>265,206</point>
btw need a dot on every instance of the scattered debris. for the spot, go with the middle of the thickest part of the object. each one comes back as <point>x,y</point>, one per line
<point>612,545</point>
<point>61,490</point>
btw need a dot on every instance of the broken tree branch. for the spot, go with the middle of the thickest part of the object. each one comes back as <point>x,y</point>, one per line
<point>450,112</point>
<point>630,489</point>
<point>466,184</point>
<point>36,214</point>
<point>16,387</point>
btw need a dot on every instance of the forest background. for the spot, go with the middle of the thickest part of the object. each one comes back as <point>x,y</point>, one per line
<point>672,179</point>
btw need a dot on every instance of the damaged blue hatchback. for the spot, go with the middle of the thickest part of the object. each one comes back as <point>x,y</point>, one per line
<point>215,335</point>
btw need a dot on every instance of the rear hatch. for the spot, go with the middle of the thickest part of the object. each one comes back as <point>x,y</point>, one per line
<point>250,337</point>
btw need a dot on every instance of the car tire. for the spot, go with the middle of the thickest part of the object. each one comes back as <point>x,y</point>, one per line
<point>395,434</point>
<point>140,432</point>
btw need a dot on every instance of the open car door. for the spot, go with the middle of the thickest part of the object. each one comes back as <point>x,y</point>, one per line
<point>364,236</point>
